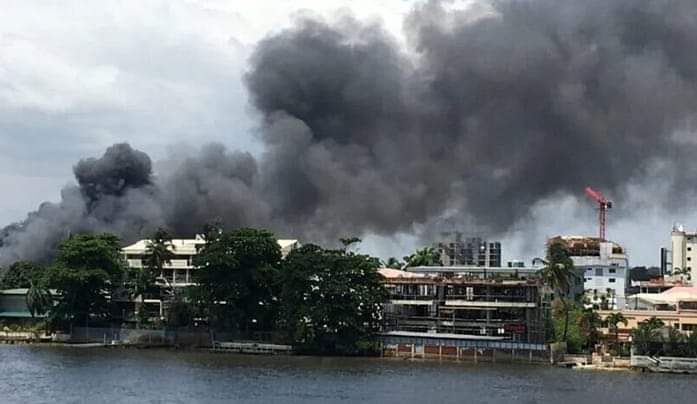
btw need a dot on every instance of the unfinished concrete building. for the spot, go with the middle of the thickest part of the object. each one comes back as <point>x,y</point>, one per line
<point>466,308</point>
<point>454,249</point>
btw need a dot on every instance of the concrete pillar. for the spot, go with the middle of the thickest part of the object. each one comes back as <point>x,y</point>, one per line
<point>413,350</point>
<point>440,351</point>
<point>475,355</point>
<point>530,355</point>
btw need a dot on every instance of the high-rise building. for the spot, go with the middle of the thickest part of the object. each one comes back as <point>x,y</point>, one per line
<point>604,267</point>
<point>456,250</point>
<point>684,247</point>
<point>666,263</point>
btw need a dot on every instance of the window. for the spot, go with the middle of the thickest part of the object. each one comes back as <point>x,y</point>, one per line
<point>689,248</point>
<point>611,280</point>
<point>598,272</point>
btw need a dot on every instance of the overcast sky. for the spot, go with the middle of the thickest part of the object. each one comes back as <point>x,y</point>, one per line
<point>77,76</point>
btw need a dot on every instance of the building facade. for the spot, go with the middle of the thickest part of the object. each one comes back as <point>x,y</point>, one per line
<point>482,304</point>
<point>604,266</point>
<point>676,307</point>
<point>684,252</point>
<point>178,272</point>
<point>454,249</point>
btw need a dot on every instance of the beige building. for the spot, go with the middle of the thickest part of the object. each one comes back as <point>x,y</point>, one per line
<point>676,307</point>
<point>684,251</point>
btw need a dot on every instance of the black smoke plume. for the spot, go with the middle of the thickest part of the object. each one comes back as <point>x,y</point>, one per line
<point>488,111</point>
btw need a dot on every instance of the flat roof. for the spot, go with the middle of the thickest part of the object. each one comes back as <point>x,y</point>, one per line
<point>473,269</point>
<point>188,246</point>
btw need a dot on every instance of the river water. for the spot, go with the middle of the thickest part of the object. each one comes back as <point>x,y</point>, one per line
<point>46,374</point>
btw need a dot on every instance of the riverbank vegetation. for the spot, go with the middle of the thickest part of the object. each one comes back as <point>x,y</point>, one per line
<point>320,300</point>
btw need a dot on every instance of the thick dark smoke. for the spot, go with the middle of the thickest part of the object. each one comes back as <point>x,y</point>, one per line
<point>489,111</point>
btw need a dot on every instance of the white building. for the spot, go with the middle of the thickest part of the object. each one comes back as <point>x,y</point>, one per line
<point>178,271</point>
<point>684,248</point>
<point>604,266</point>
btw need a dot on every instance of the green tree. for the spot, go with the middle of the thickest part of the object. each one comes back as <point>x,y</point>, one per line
<point>674,343</point>
<point>87,269</point>
<point>393,263</point>
<point>39,300</point>
<point>159,251</point>
<point>349,241</point>
<point>331,299</point>
<point>557,275</point>
<point>236,272</point>
<point>20,275</point>
<point>588,323</point>
<point>613,320</point>
<point>426,256</point>
<point>646,334</point>
<point>691,344</point>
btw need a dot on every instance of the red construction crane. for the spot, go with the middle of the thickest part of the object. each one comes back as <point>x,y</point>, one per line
<point>603,206</point>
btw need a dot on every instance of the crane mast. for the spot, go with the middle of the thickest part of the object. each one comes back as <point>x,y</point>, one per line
<point>603,205</point>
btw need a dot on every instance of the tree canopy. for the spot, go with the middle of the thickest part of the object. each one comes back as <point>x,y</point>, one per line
<point>426,256</point>
<point>85,272</point>
<point>21,274</point>
<point>557,275</point>
<point>235,275</point>
<point>331,299</point>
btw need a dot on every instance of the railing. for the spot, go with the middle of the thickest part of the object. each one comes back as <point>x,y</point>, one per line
<point>513,329</point>
<point>402,296</point>
<point>490,298</point>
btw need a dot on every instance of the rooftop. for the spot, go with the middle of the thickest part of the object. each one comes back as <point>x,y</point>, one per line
<point>189,246</point>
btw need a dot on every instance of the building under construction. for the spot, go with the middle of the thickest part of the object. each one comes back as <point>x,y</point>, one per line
<point>454,249</point>
<point>459,309</point>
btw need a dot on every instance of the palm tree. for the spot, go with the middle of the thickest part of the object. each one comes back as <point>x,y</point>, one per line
<point>39,300</point>
<point>613,319</point>
<point>588,324</point>
<point>426,256</point>
<point>645,334</point>
<point>393,263</point>
<point>557,274</point>
<point>158,253</point>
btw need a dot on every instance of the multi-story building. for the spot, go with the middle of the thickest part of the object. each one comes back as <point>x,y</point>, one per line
<point>676,307</point>
<point>466,307</point>
<point>604,266</point>
<point>472,251</point>
<point>178,272</point>
<point>684,252</point>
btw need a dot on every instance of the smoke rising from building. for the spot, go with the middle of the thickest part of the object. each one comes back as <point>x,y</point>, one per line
<point>489,111</point>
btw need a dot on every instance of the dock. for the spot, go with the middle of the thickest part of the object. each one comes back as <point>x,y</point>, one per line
<point>252,348</point>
